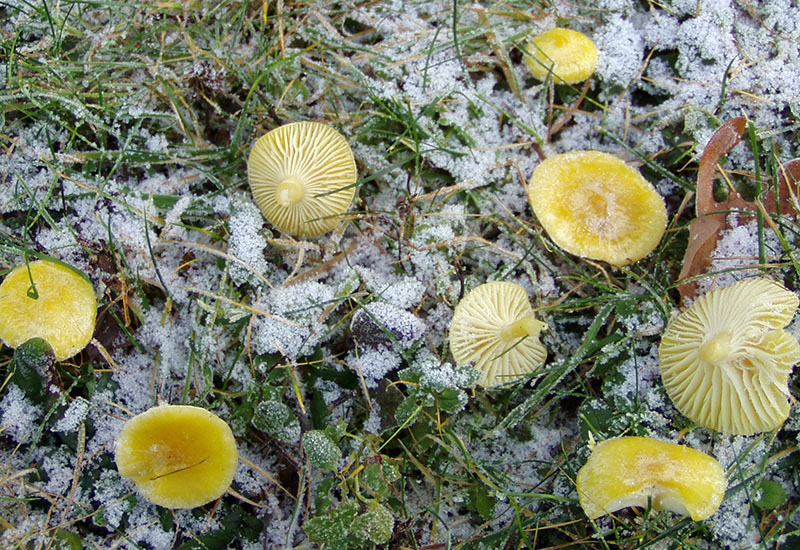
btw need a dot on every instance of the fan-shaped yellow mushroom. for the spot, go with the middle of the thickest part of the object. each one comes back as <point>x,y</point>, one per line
<point>494,326</point>
<point>594,205</point>
<point>303,177</point>
<point>570,56</point>
<point>629,471</point>
<point>725,361</point>
<point>177,455</point>
<point>51,301</point>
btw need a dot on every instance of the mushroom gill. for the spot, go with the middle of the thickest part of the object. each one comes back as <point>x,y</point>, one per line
<point>726,360</point>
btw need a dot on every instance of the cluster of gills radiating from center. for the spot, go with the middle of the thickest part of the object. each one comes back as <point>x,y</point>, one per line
<point>726,361</point>
<point>314,176</point>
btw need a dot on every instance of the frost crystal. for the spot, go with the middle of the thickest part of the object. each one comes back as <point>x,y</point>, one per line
<point>19,415</point>
<point>73,416</point>
<point>380,324</point>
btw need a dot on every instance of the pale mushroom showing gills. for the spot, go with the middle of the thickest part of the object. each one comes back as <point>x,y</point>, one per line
<point>494,326</point>
<point>726,361</point>
<point>178,456</point>
<point>303,177</point>
<point>570,56</point>
<point>53,302</point>
<point>632,471</point>
<point>594,205</point>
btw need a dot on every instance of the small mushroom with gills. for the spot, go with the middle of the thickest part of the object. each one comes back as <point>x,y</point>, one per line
<point>48,300</point>
<point>494,326</point>
<point>594,205</point>
<point>178,456</point>
<point>725,362</point>
<point>630,471</point>
<point>303,177</point>
<point>570,56</point>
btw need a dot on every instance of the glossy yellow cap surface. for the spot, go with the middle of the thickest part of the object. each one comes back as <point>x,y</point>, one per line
<point>62,313</point>
<point>594,205</point>
<point>570,56</point>
<point>303,177</point>
<point>178,456</point>
<point>626,471</point>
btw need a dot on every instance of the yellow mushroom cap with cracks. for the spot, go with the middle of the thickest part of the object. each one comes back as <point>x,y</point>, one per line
<point>178,456</point>
<point>570,56</point>
<point>725,361</point>
<point>494,326</point>
<point>629,471</point>
<point>594,205</point>
<point>303,177</point>
<point>60,307</point>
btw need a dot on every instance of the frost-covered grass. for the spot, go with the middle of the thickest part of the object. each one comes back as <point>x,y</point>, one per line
<point>125,130</point>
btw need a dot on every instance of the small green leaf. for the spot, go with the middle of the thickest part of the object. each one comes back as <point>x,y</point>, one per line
<point>322,498</point>
<point>376,525</point>
<point>30,366</point>
<point>277,420</point>
<point>322,452</point>
<point>772,495</point>
<point>451,400</point>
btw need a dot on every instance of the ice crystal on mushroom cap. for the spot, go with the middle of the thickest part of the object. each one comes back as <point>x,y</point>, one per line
<point>594,205</point>
<point>302,176</point>
<point>726,360</point>
<point>495,327</point>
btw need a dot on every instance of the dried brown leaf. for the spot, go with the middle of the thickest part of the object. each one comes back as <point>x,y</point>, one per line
<point>711,220</point>
<point>705,228</point>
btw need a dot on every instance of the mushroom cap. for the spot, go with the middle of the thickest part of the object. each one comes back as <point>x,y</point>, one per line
<point>629,471</point>
<point>494,326</point>
<point>726,360</point>
<point>63,313</point>
<point>303,177</point>
<point>570,56</point>
<point>594,205</point>
<point>178,456</point>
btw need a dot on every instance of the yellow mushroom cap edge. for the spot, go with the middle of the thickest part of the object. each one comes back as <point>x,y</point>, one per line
<point>302,176</point>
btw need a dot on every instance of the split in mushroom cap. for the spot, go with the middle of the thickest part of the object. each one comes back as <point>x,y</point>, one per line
<point>494,326</point>
<point>629,471</point>
<point>302,176</point>
<point>60,307</point>
<point>177,455</point>
<point>726,360</point>
<point>570,56</point>
<point>594,205</point>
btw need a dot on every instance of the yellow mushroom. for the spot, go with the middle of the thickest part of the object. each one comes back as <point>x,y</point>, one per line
<point>494,326</point>
<point>725,362</point>
<point>629,471</point>
<point>594,205</point>
<point>177,455</point>
<point>303,177</point>
<point>51,301</point>
<point>570,56</point>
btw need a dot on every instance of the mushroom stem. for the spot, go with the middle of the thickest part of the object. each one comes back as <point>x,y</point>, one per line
<point>527,326</point>
<point>290,191</point>
<point>718,347</point>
